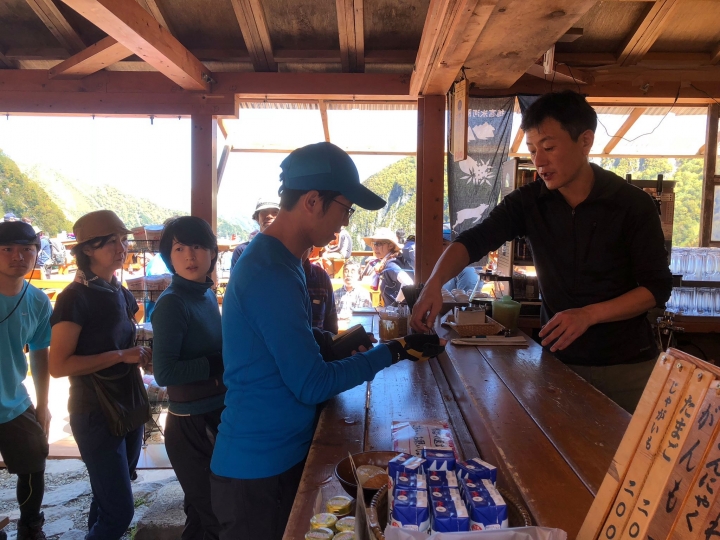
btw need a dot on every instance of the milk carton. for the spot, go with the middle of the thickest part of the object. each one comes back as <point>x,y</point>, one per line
<point>476,469</point>
<point>410,510</point>
<point>449,515</point>
<point>442,479</point>
<point>486,507</point>
<point>402,463</point>
<point>438,459</point>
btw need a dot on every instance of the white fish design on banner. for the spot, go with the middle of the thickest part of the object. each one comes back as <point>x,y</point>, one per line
<point>470,213</point>
<point>477,172</point>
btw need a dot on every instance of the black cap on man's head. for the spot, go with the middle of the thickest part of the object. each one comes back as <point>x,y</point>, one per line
<point>17,232</point>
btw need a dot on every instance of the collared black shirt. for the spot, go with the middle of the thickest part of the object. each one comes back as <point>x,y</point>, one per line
<point>610,244</point>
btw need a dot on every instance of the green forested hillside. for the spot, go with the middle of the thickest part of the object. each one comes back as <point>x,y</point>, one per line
<point>76,198</point>
<point>25,198</point>
<point>397,185</point>
<point>687,174</point>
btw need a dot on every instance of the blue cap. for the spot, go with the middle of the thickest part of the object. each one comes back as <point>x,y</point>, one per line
<point>17,232</point>
<point>324,166</point>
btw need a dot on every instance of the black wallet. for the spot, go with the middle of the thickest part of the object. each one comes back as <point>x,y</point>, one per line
<point>351,340</point>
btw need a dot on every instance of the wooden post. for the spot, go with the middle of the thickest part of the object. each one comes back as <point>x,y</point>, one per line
<point>430,184</point>
<point>708,198</point>
<point>203,162</point>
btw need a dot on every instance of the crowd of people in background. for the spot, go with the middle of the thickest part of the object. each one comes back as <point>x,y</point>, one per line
<point>90,337</point>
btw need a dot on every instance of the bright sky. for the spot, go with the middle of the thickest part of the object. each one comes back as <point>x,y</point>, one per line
<point>153,161</point>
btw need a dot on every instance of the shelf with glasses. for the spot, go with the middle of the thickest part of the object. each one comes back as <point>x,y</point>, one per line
<point>143,246</point>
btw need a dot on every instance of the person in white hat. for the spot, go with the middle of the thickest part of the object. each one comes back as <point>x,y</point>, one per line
<point>266,210</point>
<point>388,271</point>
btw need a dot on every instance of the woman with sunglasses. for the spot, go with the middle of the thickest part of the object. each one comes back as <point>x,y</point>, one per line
<point>92,343</point>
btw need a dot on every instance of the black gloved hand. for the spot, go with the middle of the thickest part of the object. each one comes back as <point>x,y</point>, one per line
<point>416,347</point>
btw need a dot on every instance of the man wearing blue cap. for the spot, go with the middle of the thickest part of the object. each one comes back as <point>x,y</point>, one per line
<point>274,369</point>
<point>24,319</point>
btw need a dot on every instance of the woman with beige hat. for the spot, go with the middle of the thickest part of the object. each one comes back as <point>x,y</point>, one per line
<point>93,335</point>
<point>388,271</point>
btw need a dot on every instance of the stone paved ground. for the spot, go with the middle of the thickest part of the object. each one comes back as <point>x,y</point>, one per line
<point>67,498</point>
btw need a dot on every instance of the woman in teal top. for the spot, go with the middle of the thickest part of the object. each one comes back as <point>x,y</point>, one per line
<point>187,358</point>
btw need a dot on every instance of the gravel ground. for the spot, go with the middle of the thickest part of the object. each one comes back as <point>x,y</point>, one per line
<point>67,509</point>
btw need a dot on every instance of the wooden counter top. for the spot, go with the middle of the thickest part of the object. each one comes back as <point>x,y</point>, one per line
<point>551,435</point>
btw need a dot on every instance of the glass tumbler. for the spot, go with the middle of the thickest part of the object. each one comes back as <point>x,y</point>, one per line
<point>687,300</point>
<point>716,302</point>
<point>704,301</point>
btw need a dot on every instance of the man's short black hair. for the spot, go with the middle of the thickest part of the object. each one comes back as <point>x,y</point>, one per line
<point>188,230</point>
<point>290,197</point>
<point>569,108</point>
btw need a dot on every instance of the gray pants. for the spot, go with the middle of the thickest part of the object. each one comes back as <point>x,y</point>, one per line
<point>623,383</point>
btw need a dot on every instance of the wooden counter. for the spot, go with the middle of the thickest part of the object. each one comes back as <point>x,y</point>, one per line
<point>551,435</point>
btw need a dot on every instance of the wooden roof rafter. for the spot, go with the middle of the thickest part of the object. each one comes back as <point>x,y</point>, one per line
<point>634,116</point>
<point>253,26</point>
<point>58,25</point>
<point>351,31</point>
<point>647,32</point>
<point>322,106</point>
<point>517,141</point>
<point>451,29</point>
<point>715,55</point>
<point>104,53</point>
<point>152,7</point>
<point>135,28</point>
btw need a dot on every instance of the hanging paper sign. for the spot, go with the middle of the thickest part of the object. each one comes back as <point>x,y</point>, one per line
<point>459,120</point>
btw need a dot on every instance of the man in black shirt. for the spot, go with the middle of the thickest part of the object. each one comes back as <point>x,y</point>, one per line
<point>598,248</point>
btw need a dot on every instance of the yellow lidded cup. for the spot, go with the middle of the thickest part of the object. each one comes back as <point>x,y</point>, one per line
<point>323,520</point>
<point>339,505</point>
<point>323,533</point>
<point>346,524</point>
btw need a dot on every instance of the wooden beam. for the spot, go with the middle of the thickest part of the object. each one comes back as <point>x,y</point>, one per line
<point>223,128</point>
<point>7,63</point>
<point>560,75</point>
<point>351,152</point>
<point>136,29</point>
<point>715,55</point>
<point>451,29</point>
<point>324,116</point>
<point>151,6</point>
<point>430,184</point>
<point>351,30</point>
<point>517,140</point>
<point>104,53</point>
<point>506,49</point>
<point>253,25</point>
<point>223,163</point>
<point>615,92</point>
<point>571,35</point>
<point>57,24</point>
<point>203,164</point>
<point>707,205</point>
<point>701,150</point>
<point>646,32</point>
<point>636,113</point>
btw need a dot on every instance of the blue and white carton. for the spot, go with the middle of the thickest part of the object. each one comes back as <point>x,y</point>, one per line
<point>443,493</point>
<point>450,515</point>
<point>476,469</point>
<point>438,459</point>
<point>410,510</point>
<point>486,507</point>
<point>405,464</point>
<point>442,479</point>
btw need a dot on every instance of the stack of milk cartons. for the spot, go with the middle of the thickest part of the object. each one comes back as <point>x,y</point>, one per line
<point>407,493</point>
<point>436,494</point>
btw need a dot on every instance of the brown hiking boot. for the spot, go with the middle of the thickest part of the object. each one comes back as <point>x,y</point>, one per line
<point>32,531</point>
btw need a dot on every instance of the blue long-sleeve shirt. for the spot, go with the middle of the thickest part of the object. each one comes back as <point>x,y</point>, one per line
<point>186,329</point>
<point>274,373</point>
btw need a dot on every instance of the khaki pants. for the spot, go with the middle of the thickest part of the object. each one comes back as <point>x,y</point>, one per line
<point>623,383</point>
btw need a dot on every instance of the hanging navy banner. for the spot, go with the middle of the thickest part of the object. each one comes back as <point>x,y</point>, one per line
<point>474,183</point>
